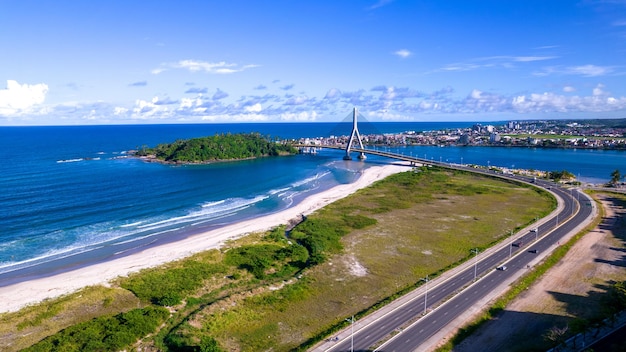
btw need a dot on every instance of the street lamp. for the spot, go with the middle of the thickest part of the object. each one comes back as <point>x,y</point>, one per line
<point>426,294</point>
<point>475,251</point>
<point>511,244</point>
<point>351,333</point>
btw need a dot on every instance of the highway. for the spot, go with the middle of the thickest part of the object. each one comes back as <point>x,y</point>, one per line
<point>410,326</point>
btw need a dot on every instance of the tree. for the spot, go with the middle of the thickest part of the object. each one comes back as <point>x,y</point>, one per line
<point>615,177</point>
<point>556,335</point>
<point>560,175</point>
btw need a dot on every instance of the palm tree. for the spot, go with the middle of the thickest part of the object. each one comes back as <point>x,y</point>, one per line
<point>615,177</point>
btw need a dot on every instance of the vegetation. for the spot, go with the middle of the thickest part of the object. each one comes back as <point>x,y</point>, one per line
<point>606,305</point>
<point>218,147</point>
<point>285,290</point>
<point>168,287</point>
<point>403,234</point>
<point>557,176</point>
<point>105,333</point>
<point>616,176</point>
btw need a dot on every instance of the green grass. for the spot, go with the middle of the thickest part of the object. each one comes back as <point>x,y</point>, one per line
<point>521,285</point>
<point>25,327</point>
<point>425,223</point>
<point>265,291</point>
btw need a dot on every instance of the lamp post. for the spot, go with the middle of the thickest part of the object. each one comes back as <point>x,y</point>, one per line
<point>475,251</point>
<point>426,294</point>
<point>511,244</point>
<point>557,220</point>
<point>351,320</point>
<point>572,198</point>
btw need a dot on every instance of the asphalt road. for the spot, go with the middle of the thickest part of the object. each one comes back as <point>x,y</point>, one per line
<point>427,314</point>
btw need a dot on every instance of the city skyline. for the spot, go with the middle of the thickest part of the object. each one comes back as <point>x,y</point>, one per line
<point>71,62</point>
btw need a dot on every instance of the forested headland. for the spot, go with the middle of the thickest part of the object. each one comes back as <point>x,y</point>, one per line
<point>220,147</point>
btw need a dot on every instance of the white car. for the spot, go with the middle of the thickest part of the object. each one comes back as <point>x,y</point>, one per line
<point>501,267</point>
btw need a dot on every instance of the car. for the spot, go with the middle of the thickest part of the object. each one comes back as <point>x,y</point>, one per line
<point>534,251</point>
<point>518,244</point>
<point>501,268</point>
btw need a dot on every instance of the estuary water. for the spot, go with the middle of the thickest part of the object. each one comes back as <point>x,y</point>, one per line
<point>70,196</point>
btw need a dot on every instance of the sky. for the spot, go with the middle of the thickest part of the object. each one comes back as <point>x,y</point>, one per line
<point>72,62</point>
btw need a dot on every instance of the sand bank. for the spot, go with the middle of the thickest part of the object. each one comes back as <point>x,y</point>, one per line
<point>16,296</point>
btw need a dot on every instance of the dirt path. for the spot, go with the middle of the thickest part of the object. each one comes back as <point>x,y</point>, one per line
<point>571,289</point>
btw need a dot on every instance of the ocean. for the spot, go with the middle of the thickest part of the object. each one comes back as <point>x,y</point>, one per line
<point>71,196</point>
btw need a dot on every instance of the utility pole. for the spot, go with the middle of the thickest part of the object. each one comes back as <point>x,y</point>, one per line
<point>426,294</point>
<point>475,251</point>
<point>351,333</point>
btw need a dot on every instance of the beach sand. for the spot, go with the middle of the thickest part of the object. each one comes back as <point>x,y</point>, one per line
<point>17,296</point>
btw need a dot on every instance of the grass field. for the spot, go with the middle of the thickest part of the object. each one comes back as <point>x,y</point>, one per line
<point>424,224</point>
<point>573,288</point>
<point>258,294</point>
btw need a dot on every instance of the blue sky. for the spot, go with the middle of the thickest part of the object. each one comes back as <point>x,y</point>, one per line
<point>118,62</point>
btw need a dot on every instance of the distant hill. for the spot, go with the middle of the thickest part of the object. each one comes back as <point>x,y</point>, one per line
<point>220,147</point>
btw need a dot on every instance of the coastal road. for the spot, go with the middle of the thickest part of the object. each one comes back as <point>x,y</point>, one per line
<point>409,327</point>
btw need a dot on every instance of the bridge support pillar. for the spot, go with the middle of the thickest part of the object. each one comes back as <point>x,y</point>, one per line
<point>355,134</point>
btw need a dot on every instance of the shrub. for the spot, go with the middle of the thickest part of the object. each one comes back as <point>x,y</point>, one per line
<point>167,287</point>
<point>112,333</point>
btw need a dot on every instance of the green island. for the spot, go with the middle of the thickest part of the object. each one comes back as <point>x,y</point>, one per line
<point>220,147</point>
<point>286,289</point>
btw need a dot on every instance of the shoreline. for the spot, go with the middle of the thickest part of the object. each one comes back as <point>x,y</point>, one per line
<point>19,295</point>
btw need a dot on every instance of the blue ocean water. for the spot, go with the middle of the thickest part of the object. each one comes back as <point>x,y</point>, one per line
<point>70,196</point>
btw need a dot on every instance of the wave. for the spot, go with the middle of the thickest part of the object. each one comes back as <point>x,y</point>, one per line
<point>310,179</point>
<point>76,160</point>
<point>210,204</point>
<point>69,160</point>
<point>208,211</point>
<point>132,224</point>
<point>122,234</point>
<point>275,191</point>
<point>54,254</point>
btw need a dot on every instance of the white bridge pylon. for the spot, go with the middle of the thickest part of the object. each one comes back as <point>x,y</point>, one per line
<point>355,134</point>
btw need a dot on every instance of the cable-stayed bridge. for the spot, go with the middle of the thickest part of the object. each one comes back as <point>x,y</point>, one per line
<point>354,144</point>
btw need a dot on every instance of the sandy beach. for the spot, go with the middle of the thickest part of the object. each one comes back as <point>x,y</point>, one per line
<point>16,296</point>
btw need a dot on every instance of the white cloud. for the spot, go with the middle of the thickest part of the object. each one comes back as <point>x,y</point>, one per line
<point>221,67</point>
<point>120,111</point>
<point>380,3</point>
<point>500,61</point>
<point>254,108</point>
<point>403,53</point>
<point>532,58</point>
<point>333,94</point>
<point>590,70</point>
<point>583,70</point>
<point>299,116</point>
<point>21,98</point>
<point>597,91</point>
<point>569,89</point>
<point>598,101</point>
